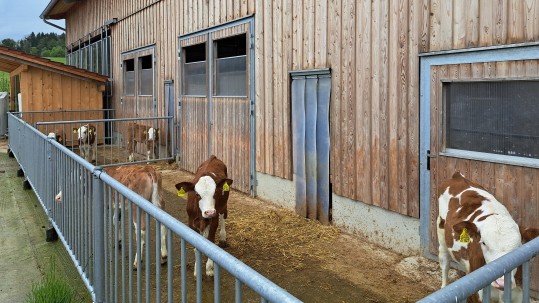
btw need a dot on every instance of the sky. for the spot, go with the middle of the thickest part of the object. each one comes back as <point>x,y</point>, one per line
<point>19,18</point>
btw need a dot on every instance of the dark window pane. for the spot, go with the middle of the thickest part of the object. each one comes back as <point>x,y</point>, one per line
<point>195,53</point>
<point>129,77</point>
<point>498,117</point>
<point>145,78</point>
<point>231,66</point>
<point>195,70</point>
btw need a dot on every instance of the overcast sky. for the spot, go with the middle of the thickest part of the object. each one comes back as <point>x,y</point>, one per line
<point>19,18</point>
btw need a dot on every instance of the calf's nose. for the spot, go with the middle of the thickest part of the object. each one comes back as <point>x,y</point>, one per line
<point>209,213</point>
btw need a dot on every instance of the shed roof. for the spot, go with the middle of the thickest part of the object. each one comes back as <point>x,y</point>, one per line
<point>56,9</point>
<point>11,59</point>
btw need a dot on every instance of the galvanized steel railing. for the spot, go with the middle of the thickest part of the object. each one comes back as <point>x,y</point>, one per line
<point>480,279</point>
<point>87,219</point>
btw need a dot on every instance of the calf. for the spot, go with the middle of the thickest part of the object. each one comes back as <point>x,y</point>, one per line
<point>86,138</point>
<point>207,202</point>
<point>474,229</point>
<point>146,181</point>
<point>147,135</point>
<point>57,135</point>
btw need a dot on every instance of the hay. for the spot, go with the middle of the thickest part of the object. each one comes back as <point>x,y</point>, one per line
<point>279,235</point>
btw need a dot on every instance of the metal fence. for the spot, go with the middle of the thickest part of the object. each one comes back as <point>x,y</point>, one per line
<point>86,220</point>
<point>112,135</point>
<point>480,279</point>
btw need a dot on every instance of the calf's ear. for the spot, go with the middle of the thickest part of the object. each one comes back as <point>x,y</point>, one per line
<point>184,187</point>
<point>75,130</point>
<point>528,233</point>
<point>465,231</point>
<point>225,184</point>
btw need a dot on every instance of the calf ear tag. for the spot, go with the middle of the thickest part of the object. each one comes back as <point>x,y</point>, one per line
<point>464,236</point>
<point>144,132</point>
<point>181,192</point>
<point>226,187</point>
<point>59,139</point>
<point>74,131</point>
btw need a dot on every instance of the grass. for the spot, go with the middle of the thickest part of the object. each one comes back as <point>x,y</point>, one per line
<point>57,59</point>
<point>52,288</point>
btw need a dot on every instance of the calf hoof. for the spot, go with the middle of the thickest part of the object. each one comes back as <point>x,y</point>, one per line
<point>10,153</point>
<point>26,185</point>
<point>51,235</point>
<point>223,244</point>
<point>20,173</point>
<point>164,260</point>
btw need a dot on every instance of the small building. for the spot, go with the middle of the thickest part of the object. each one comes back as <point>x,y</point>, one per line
<point>39,84</point>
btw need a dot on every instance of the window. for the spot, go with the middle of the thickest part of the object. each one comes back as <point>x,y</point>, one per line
<point>145,79</point>
<point>91,55</point>
<point>195,70</point>
<point>129,77</point>
<point>231,66</point>
<point>496,117</point>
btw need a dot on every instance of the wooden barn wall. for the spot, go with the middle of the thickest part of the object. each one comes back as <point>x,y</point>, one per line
<point>475,23</point>
<point>516,187</point>
<point>372,49</point>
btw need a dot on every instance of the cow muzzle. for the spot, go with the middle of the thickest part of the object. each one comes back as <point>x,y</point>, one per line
<point>499,283</point>
<point>208,214</point>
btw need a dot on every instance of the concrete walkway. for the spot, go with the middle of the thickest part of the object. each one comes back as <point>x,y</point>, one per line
<point>25,256</point>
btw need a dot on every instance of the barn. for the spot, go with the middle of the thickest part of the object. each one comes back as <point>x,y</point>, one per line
<point>350,112</point>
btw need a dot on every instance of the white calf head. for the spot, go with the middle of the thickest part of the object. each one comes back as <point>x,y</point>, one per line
<point>58,197</point>
<point>206,191</point>
<point>152,134</point>
<point>82,132</point>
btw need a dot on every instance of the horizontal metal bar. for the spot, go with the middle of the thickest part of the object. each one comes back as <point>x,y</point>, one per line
<point>102,120</point>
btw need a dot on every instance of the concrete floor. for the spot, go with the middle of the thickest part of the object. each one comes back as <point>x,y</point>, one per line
<point>25,256</point>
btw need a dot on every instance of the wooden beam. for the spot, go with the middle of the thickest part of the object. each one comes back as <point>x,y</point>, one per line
<point>18,70</point>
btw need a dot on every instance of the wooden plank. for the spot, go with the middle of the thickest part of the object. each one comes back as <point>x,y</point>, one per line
<point>320,33</point>
<point>472,23</point>
<point>334,10</point>
<point>363,107</point>
<point>486,22</point>
<point>297,40</point>
<point>260,88</point>
<point>278,128</point>
<point>459,17</point>
<point>268,85</point>
<point>516,21</point>
<point>383,105</point>
<point>376,44</point>
<point>308,33</point>
<point>347,100</point>
<point>500,20</point>
<point>287,66</point>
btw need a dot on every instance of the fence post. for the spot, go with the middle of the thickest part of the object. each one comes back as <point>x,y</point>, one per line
<point>99,236</point>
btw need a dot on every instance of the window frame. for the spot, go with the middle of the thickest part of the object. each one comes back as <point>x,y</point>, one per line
<point>184,62</point>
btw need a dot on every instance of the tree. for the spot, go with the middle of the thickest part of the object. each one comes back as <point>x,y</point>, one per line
<point>57,51</point>
<point>46,53</point>
<point>9,43</point>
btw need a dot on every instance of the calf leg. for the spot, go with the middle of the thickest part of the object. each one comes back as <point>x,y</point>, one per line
<point>142,237</point>
<point>443,253</point>
<point>222,231</point>
<point>164,252</point>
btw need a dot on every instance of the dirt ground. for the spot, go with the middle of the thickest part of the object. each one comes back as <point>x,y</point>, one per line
<point>313,262</point>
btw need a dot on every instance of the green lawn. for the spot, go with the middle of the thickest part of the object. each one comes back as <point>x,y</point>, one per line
<point>57,59</point>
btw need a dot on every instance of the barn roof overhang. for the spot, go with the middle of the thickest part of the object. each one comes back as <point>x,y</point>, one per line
<point>11,60</point>
<point>57,9</point>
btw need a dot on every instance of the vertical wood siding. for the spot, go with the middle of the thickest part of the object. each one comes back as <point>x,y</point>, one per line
<point>514,186</point>
<point>372,49</point>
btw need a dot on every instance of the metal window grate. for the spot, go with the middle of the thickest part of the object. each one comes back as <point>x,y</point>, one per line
<point>497,117</point>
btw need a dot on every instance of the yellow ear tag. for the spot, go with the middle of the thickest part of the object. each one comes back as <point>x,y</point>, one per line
<point>74,131</point>
<point>181,192</point>
<point>91,131</point>
<point>144,132</point>
<point>464,236</point>
<point>226,187</point>
<point>59,139</point>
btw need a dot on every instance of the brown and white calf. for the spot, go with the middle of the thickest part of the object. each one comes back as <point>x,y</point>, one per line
<point>207,202</point>
<point>149,136</point>
<point>57,135</point>
<point>146,181</point>
<point>474,229</point>
<point>86,137</point>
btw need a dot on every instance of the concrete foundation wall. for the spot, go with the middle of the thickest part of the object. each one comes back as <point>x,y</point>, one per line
<point>382,227</point>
